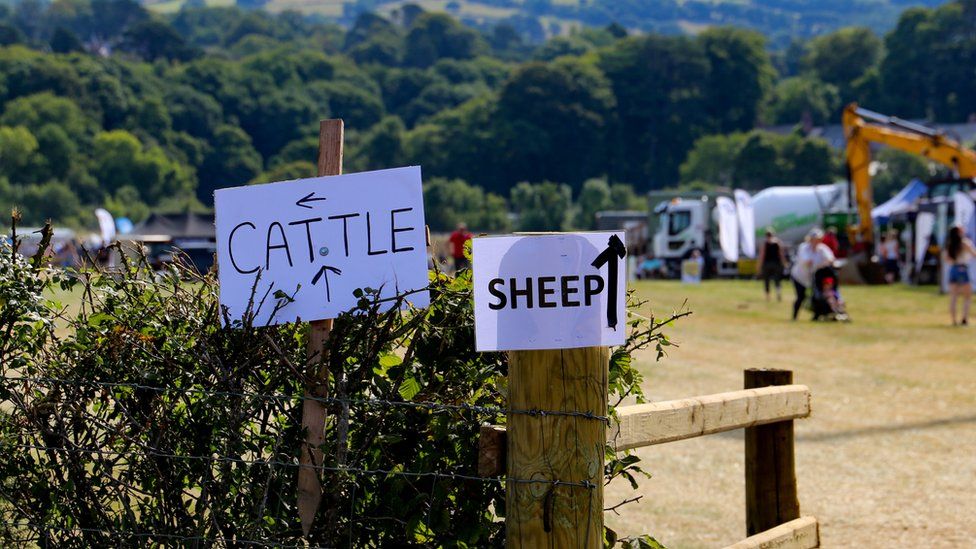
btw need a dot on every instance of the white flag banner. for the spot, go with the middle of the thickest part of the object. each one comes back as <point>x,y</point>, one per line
<point>106,226</point>
<point>965,213</point>
<point>747,223</point>
<point>728,228</point>
<point>924,223</point>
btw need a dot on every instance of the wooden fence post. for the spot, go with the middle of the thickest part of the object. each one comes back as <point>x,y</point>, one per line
<point>565,448</point>
<point>314,412</point>
<point>771,497</point>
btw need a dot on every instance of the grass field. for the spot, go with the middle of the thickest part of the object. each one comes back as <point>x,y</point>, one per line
<point>886,460</point>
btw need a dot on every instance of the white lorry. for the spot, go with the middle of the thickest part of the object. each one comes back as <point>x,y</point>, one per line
<point>684,222</point>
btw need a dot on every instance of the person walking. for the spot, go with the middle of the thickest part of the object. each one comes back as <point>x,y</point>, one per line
<point>811,256</point>
<point>890,256</point>
<point>959,251</point>
<point>458,239</point>
<point>772,263</point>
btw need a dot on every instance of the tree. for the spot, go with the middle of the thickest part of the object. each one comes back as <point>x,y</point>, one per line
<point>126,202</point>
<point>193,112</point>
<point>737,61</point>
<point>542,207</point>
<point>805,161</point>
<point>65,41</point>
<point>18,154</point>
<point>231,161</point>
<point>382,145</point>
<point>448,202</point>
<point>802,99</point>
<point>359,107</point>
<point>435,36</point>
<point>10,34</point>
<point>906,71</point>
<point>843,56</point>
<point>367,27</point>
<point>593,197</point>
<point>895,169</point>
<point>623,197</point>
<point>757,160</point>
<point>286,172</point>
<point>41,109</point>
<point>119,159</point>
<point>59,151</point>
<point>51,200</point>
<point>552,123</point>
<point>281,116</point>
<point>927,70</point>
<point>438,97</point>
<point>560,46</point>
<point>712,159</point>
<point>659,84</point>
<point>153,39</point>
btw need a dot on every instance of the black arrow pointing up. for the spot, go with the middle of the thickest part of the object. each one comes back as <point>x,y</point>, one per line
<point>303,201</point>
<point>611,255</point>
<point>324,272</point>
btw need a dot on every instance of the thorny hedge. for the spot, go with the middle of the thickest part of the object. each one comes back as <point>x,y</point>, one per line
<point>141,416</point>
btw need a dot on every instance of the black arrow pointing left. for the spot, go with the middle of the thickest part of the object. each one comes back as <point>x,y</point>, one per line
<point>614,252</point>
<point>310,197</point>
<point>324,273</point>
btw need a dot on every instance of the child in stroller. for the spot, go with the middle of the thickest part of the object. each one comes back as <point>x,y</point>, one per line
<point>826,300</point>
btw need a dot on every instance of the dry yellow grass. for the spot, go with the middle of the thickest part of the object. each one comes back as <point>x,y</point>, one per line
<point>886,460</point>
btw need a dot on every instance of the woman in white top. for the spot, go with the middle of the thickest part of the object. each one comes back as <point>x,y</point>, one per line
<point>959,251</point>
<point>812,255</point>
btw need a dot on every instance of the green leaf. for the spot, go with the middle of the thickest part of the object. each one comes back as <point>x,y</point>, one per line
<point>409,388</point>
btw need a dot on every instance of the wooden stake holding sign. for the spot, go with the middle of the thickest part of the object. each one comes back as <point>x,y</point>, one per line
<point>314,411</point>
<point>554,300</point>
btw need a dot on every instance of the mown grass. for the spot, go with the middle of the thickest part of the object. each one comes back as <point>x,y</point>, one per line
<point>886,458</point>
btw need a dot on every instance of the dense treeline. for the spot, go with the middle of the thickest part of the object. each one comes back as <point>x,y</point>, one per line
<point>780,20</point>
<point>104,103</point>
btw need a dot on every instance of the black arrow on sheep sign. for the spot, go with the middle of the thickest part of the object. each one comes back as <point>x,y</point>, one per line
<point>614,252</point>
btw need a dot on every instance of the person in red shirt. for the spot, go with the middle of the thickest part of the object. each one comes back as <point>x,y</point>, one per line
<point>457,240</point>
<point>830,240</point>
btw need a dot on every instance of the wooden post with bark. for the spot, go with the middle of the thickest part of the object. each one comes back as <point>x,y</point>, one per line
<point>771,497</point>
<point>313,411</point>
<point>556,447</point>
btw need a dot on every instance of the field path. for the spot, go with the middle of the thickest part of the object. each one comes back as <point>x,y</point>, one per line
<point>888,458</point>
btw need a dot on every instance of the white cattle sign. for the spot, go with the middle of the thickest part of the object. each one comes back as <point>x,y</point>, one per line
<point>317,240</point>
<point>549,291</point>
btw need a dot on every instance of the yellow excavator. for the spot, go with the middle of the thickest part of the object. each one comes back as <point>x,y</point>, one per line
<point>863,127</point>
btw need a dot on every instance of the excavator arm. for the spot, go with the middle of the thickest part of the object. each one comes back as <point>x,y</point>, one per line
<point>863,127</point>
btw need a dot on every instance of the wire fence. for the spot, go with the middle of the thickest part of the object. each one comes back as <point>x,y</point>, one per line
<point>35,409</point>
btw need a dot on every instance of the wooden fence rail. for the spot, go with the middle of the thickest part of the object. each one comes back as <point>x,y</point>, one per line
<point>802,533</point>
<point>659,422</point>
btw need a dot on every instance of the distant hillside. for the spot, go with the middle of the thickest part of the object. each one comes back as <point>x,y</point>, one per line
<point>779,20</point>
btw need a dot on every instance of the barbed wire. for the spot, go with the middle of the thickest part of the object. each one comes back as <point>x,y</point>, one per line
<point>120,534</point>
<point>432,406</point>
<point>145,452</point>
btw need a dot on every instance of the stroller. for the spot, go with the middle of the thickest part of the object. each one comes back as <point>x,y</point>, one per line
<point>826,300</point>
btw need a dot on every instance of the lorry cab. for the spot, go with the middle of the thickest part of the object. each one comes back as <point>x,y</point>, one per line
<point>684,224</point>
<point>681,227</point>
